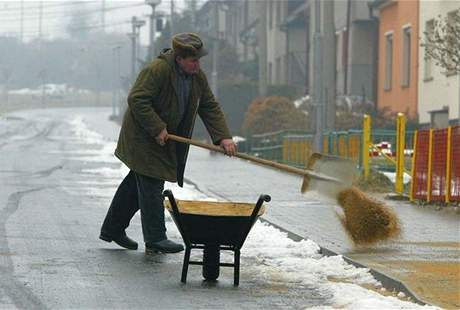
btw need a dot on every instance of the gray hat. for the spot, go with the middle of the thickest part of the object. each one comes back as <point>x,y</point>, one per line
<point>188,44</point>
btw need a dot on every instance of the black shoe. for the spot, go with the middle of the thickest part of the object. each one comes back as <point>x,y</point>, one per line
<point>124,241</point>
<point>164,246</point>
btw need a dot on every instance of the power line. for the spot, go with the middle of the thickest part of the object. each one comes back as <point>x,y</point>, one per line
<point>49,6</point>
<point>93,11</point>
<point>89,27</point>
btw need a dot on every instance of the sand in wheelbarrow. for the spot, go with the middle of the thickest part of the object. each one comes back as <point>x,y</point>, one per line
<point>215,208</point>
<point>367,221</point>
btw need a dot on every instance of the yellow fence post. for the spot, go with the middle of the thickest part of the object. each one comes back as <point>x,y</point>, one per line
<point>448,164</point>
<point>400,145</point>
<point>366,144</point>
<point>430,170</point>
<point>413,172</point>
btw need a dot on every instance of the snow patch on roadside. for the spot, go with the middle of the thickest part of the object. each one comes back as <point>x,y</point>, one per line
<point>392,177</point>
<point>80,129</point>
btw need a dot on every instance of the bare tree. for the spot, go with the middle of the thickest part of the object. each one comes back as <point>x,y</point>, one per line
<point>442,42</point>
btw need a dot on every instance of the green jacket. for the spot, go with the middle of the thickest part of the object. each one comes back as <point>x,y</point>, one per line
<point>153,106</point>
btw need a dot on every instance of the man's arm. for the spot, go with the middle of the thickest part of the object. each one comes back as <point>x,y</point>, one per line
<point>143,94</point>
<point>214,120</point>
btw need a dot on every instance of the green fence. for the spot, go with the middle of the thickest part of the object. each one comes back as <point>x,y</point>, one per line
<point>293,147</point>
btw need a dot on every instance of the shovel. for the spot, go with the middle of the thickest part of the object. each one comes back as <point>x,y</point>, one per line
<point>322,170</point>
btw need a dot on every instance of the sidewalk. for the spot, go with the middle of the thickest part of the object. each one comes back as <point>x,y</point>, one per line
<point>426,258</point>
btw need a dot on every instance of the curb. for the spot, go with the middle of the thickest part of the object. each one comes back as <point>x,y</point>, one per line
<point>388,282</point>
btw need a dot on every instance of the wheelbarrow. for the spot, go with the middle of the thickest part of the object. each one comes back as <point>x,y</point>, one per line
<point>213,227</point>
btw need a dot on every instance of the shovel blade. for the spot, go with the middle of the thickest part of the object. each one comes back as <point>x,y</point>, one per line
<point>340,168</point>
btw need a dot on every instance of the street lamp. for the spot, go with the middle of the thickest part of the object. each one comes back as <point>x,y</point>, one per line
<point>153,4</point>
<point>116,80</point>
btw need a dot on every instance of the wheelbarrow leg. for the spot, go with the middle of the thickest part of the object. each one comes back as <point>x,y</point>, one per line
<point>185,265</point>
<point>236,271</point>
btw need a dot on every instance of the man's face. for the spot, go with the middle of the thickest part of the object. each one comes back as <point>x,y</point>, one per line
<point>190,65</point>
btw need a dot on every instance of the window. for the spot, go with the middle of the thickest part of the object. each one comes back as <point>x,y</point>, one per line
<point>406,57</point>
<point>278,70</point>
<point>388,60</point>
<point>428,68</point>
<point>439,118</point>
<point>270,73</point>
<point>286,69</point>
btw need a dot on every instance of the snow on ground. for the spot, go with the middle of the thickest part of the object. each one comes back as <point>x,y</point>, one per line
<point>392,177</point>
<point>268,252</point>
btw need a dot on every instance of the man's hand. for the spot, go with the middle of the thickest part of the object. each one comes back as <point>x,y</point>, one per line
<point>229,146</point>
<point>162,137</point>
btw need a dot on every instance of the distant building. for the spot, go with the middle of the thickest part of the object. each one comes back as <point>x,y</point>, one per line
<point>438,91</point>
<point>276,42</point>
<point>398,55</point>
<point>356,49</point>
<point>295,25</point>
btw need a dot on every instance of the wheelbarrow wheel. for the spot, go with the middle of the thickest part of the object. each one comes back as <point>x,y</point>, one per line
<point>211,261</point>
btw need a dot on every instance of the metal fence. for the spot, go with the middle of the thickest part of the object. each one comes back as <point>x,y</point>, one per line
<point>294,147</point>
<point>436,168</point>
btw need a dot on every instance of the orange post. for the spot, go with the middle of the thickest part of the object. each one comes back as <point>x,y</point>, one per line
<point>366,144</point>
<point>430,163</point>
<point>414,172</point>
<point>400,146</point>
<point>448,163</point>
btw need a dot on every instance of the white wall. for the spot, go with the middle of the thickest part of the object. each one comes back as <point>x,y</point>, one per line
<point>276,43</point>
<point>441,90</point>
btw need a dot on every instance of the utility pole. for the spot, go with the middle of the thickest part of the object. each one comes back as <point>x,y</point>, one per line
<point>118,79</point>
<point>347,48</point>
<point>215,47</point>
<point>328,53</point>
<point>262,38</point>
<point>42,72</point>
<point>132,36</point>
<point>318,77</point>
<point>22,22</point>
<point>103,15</point>
<point>172,18</point>
<point>40,21</point>
<point>193,7</point>
<point>136,24</point>
<point>114,81</point>
<point>139,24</point>
<point>153,4</point>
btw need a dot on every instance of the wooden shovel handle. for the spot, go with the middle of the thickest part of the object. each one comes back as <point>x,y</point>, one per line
<point>258,160</point>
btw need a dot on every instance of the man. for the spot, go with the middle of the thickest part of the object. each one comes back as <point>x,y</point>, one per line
<point>166,97</point>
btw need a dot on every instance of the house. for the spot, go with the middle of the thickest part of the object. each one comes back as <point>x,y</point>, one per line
<point>398,45</point>
<point>438,93</point>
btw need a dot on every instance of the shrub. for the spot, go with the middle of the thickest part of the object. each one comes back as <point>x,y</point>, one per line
<point>272,114</point>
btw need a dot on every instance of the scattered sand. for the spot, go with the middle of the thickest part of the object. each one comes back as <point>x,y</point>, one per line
<point>436,282</point>
<point>366,220</point>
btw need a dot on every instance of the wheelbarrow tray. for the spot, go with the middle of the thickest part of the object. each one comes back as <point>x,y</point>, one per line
<point>207,222</point>
<point>212,227</point>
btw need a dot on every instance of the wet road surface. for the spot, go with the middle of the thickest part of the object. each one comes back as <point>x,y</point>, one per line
<point>52,203</point>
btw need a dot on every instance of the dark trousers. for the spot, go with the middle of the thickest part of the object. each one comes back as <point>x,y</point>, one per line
<point>137,192</point>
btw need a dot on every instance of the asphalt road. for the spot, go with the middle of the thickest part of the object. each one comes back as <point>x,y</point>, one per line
<point>51,208</point>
